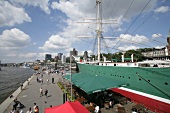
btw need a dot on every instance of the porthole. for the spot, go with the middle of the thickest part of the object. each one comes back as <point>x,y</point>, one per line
<point>140,79</point>
<point>166,83</point>
<point>129,77</point>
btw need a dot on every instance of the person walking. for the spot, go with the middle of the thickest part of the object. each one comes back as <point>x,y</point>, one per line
<point>37,79</point>
<point>34,106</point>
<point>41,92</point>
<point>15,104</point>
<point>41,81</point>
<point>12,111</point>
<point>21,111</point>
<point>41,75</point>
<point>29,111</point>
<point>36,110</point>
<point>47,81</point>
<point>46,92</point>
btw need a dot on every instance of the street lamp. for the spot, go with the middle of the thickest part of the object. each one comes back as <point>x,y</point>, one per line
<point>71,79</point>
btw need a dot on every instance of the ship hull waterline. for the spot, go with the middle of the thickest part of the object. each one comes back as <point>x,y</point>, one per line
<point>152,81</point>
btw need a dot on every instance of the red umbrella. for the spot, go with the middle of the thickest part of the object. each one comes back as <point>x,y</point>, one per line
<point>68,107</point>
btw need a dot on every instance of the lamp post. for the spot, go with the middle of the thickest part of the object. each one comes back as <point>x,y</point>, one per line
<point>71,78</point>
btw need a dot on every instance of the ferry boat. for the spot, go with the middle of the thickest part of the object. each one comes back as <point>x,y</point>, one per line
<point>25,65</point>
<point>36,67</point>
<point>148,81</point>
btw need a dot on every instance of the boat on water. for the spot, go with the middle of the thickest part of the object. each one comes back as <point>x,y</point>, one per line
<point>143,84</point>
<point>146,82</point>
<point>25,65</point>
<point>36,67</point>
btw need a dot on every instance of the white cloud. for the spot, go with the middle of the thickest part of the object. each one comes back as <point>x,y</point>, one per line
<point>126,48</point>
<point>34,43</point>
<point>156,35</point>
<point>14,39</point>
<point>162,9</point>
<point>56,42</point>
<point>11,55</point>
<point>69,8</point>
<point>27,57</point>
<point>43,4</point>
<point>130,39</point>
<point>159,47</point>
<point>40,55</point>
<point>125,39</point>
<point>11,15</point>
<point>77,10</point>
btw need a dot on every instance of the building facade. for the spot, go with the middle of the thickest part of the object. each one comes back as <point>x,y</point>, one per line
<point>156,53</point>
<point>168,46</point>
<point>47,57</point>
<point>63,59</point>
<point>60,56</point>
<point>73,53</point>
<point>163,53</point>
<point>85,55</point>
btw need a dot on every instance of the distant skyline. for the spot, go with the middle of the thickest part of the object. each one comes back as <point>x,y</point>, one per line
<point>29,29</point>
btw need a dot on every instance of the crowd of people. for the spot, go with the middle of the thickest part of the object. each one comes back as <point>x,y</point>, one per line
<point>35,109</point>
<point>18,106</point>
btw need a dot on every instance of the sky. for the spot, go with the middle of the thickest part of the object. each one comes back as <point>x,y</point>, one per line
<point>29,29</point>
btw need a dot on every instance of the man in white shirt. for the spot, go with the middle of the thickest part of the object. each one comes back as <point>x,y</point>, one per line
<point>96,109</point>
<point>41,92</point>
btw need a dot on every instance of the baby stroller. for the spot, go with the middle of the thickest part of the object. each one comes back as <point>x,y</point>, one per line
<point>17,105</point>
<point>20,105</point>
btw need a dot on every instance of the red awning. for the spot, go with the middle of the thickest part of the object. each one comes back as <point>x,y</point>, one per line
<point>68,107</point>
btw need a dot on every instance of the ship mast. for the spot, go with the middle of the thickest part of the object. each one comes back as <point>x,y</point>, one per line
<point>98,29</point>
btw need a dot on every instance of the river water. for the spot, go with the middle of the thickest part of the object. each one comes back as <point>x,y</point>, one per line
<point>10,79</point>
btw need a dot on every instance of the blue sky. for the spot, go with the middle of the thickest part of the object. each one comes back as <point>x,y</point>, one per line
<point>31,28</point>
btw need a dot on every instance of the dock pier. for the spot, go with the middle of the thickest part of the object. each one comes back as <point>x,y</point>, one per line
<point>30,94</point>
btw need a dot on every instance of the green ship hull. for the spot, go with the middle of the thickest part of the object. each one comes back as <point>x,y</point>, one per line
<point>153,82</point>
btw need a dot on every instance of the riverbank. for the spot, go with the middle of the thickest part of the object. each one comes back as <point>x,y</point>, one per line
<point>10,79</point>
<point>30,94</point>
<point>10,99</point>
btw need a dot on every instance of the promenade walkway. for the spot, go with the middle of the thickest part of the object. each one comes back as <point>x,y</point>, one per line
<point>31,94</point>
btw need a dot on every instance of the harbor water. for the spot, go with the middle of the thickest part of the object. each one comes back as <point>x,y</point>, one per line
<point>10,79</point>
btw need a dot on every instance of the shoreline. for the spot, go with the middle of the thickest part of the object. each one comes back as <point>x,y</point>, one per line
<point>5,104</point>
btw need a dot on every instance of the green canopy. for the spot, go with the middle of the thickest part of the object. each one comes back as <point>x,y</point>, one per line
<point>127,58</point>
<point>77,76</point>
<point>93,83</point>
